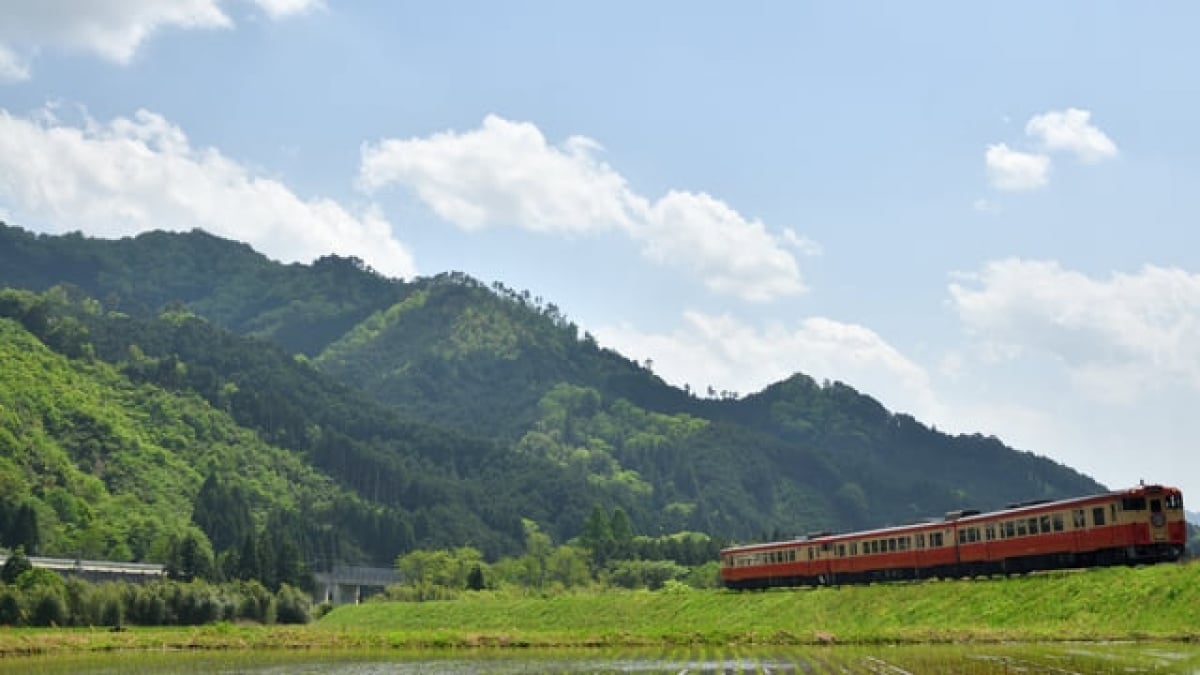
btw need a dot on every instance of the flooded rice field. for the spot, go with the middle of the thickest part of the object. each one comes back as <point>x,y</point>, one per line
<point>894,660</point>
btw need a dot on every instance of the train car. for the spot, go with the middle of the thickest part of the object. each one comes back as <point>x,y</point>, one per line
<point>1144,524</point>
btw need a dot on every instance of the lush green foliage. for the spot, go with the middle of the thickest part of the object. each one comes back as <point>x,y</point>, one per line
<point>143,416</point>
<point>42,598</point>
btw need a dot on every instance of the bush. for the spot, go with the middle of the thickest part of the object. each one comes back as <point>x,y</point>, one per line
<point>292,605</point>
<point>256,603</point>
<point>10,608</point>
<point>651,574</point>
<point>49,609</point>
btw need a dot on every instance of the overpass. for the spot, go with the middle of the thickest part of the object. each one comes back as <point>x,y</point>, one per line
<point>345,584</point>
<point>97,570</point>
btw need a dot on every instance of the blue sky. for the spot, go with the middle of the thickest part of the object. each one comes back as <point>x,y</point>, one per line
<point>980,214</point>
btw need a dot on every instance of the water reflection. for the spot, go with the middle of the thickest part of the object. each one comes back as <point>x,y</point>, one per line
<point>968,659</point>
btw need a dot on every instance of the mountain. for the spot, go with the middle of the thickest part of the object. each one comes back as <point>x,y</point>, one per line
<point>440,411</point>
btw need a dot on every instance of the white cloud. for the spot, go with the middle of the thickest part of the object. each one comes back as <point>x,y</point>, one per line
<point>1118,337</point>
<point>279,9</point>
<point>506,174</point>
<point>1071,130</point>
<point>12,67</point>
<point>1010,169</point>
<point>141,173</point>
<point>113,30</point>
<point>728,354</point>
<point>1067,130</point>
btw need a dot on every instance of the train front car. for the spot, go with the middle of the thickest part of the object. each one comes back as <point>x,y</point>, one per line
<point>1151,523</point>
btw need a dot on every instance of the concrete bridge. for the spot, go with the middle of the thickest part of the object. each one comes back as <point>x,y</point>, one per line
<point>346,584</point>
<point>97,570</point>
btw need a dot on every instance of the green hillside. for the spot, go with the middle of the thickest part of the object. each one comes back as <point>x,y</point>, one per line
<point>434,412</point>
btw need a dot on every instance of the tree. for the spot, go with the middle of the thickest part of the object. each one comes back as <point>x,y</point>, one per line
<point>190,557</point>
<point>622,534</point>
<point>222,512</point>
<point>24,531</point>
<point>475,580</point>
<point>16,565</point>
<point>597,536</point>
<point>538,549</point>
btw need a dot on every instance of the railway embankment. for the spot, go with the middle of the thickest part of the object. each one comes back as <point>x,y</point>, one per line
<point>1156,603</point>
<point>1159,602</point>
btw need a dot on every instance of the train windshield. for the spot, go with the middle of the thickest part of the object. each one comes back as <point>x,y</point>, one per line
<point>1174,502</point>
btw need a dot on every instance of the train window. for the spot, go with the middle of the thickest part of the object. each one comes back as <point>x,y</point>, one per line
<point>1155,506</point>
<point>841,550</point>
<point>1058,522</point>
<point>1098,516</point>
<point>1010,529</point>
<point>812,553</point>
<point>792,555</point>
<point>921,540</point>
<point>1044,521</point>
<point>962,536</point>
<point>1021,531</point>
<point>854,548</point>
<point>1174,502</point>
<point>1033,526</point>
<point>1079,521</point>
<point>1133,504</point>
<point>905,543</point>
<point>935,539</point>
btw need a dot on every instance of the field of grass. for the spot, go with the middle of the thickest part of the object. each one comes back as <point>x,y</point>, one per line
<point>1151,603</point>
<point>1161,602</point>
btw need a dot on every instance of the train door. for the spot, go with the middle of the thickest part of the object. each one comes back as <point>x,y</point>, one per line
<point>1158,521</point>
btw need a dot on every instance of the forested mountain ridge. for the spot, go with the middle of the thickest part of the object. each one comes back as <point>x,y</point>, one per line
<point>300,307</point>
<point>448,410</point>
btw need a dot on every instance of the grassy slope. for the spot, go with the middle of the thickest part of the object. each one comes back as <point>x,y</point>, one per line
<point>1155,602</point>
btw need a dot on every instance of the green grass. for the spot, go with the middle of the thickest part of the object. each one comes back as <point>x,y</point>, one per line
<point>1161,602</point>
<point>1152,603</point>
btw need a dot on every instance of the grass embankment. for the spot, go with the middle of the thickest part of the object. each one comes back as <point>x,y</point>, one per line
<point>1160,602</point>
<point>1153,603</point>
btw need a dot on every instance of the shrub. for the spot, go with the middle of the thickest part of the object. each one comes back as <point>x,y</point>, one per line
<point>49,609</point>
<point>10,608</point>
<point>293,605</point>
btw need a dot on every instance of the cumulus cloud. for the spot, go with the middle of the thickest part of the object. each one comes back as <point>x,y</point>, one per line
<point>110,29</point>
<point>728,354</point>
<point>1071,131</point>
<point>1118,337</point>
<point>505,173</point>
<point>140,173</point>
<point>1010,169</point>
<point>1067,130</point>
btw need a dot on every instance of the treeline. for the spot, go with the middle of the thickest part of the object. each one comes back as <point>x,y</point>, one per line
<point>606,555</point>
<point>33,596</point>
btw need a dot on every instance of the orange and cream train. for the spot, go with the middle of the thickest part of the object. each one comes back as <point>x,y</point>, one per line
<point>1141,525</point>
